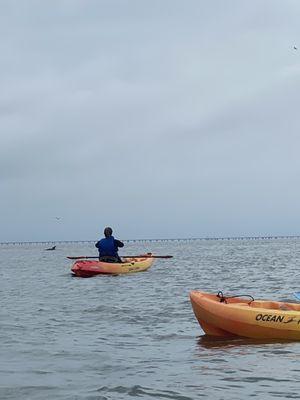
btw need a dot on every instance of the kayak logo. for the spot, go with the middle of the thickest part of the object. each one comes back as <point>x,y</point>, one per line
<point>269,318</point>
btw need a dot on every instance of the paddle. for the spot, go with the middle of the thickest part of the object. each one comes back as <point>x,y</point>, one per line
<point>297,295</point>
<point>140,256</point>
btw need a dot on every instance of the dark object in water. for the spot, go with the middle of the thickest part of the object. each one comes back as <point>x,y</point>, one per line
<point>51,248</point>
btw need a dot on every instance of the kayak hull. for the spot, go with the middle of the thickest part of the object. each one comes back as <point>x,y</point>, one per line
<point>239,317</point>
<point>89,268</point>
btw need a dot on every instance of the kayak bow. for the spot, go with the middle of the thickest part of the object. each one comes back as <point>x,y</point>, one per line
<point>235,316</point>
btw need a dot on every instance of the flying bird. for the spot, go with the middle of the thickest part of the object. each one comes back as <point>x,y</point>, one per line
<point>58,218</point>
<point>295,48</point>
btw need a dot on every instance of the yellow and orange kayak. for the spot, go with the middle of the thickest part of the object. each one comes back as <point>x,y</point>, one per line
<point>88,268</point>
<point>232,316</point>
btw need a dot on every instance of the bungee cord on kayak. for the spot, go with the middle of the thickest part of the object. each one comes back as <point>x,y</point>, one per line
<point>223,299</point>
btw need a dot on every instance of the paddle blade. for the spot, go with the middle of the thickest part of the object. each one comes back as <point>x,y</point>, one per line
<point>162,256</point>
<point>80,257</point>
<point>297,295</point>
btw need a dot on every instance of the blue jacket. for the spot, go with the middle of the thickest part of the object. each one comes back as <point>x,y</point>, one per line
<point>109,247</point>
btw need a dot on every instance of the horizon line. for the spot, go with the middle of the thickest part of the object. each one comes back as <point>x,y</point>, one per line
<point>263,237</point>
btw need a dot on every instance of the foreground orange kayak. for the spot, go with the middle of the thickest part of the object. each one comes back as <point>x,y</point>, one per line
<point>88,268</point>
<point>234,316</point>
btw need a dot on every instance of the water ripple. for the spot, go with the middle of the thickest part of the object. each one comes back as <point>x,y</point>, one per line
<point>113,338</point>
<point>138,391</point>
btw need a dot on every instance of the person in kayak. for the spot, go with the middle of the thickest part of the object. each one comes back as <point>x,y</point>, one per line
<point>108,247</point>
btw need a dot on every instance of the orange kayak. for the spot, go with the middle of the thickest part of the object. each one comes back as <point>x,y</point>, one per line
<point>235,316</point>
<point>88,268</point>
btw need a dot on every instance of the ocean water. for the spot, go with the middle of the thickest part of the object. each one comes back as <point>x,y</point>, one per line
<point>135,336</point>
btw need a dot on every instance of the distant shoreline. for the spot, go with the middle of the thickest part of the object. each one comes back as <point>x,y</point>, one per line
<point>158,240</point>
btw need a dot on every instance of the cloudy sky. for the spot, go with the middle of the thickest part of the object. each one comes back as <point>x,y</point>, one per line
<point>160,118</point>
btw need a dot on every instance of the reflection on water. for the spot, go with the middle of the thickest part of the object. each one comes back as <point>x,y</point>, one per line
<point>212,342</point>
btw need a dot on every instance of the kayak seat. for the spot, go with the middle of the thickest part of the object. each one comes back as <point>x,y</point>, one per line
<point>289,307</point>
<point>284,307</point>
<point>275,305</point>
<point>109,259</point>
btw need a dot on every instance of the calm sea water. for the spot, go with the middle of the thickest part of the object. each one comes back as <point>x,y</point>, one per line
<point>120,337</point>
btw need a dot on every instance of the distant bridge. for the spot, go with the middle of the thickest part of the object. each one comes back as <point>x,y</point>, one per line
<point>154,240</point>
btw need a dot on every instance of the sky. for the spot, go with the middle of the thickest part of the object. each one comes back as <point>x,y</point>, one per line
<point>162,119</point>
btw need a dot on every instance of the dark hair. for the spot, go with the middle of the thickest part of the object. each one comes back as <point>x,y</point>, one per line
<point>108,231</point>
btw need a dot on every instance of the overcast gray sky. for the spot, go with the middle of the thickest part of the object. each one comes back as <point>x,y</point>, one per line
<point>160,118</point>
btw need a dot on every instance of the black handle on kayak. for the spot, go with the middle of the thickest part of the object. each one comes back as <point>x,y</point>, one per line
<point>224,298</point>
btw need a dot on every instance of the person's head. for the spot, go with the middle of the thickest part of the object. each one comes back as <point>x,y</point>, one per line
<point>108,232</point>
